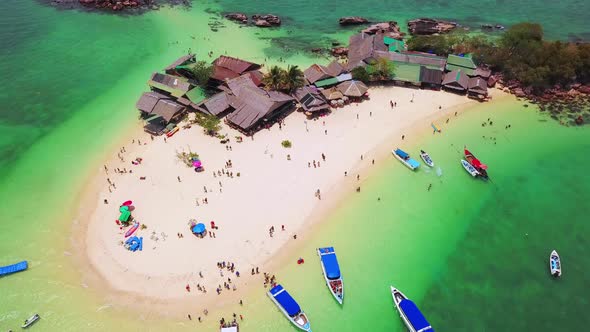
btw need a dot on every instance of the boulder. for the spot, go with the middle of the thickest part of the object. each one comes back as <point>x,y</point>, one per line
<point>584,89</point>
<point>352,20</point>
<point>519,93</point>
<point>238,17</point>
<point>430,26</point>
<point>272,20</point>
<point>390,29</point>
<point>580,120</point>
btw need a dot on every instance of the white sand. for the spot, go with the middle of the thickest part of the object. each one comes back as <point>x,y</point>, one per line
<point>271,191</point>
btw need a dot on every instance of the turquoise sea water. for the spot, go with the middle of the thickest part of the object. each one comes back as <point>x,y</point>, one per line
<point>72,81</point>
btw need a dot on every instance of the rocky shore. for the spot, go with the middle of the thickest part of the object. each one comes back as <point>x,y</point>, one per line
<point>114,6</point>
<point>430,26</point>
<point>259,20</point>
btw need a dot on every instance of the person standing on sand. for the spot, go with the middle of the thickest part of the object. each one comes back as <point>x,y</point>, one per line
<point>403,136</point>
<point>189,317</point>
<point>323,157</point>
<point>178,178</point>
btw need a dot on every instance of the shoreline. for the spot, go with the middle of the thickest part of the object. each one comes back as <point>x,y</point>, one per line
<point>172,305</point>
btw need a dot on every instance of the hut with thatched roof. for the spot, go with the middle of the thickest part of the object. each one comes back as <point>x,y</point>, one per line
<point>355,89</point>
<point>477,86</point>
<point>456,80</point>
<point>332,94</point>
<point>311,100</point>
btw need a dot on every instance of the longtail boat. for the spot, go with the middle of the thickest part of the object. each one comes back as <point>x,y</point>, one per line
<point>479,166</point>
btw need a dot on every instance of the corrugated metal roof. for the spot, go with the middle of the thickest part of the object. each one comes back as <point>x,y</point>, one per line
<point>455,62</point>
<point>234,64</point>
<point>406,72</point>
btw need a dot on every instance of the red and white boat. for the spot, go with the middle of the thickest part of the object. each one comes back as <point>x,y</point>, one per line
<point>478,165</point>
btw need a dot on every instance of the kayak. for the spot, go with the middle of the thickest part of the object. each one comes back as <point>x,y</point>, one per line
<point>132,230</point>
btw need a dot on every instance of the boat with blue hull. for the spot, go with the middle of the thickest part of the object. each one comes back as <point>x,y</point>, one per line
<point>331,271</point>
<point>411,315</point>
<point>404,157</point>
<point>289,307</point>
<point>14,268</point>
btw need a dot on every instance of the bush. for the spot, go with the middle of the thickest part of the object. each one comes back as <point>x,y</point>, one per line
<point>210,123</point>
<point>187,158</point>
<point>286,144</point>
<point>360,74</point>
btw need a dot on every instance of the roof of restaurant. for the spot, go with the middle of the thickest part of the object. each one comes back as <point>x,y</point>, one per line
<point>253,104</point>
<point>431,76</point>
<point>174,85</point>
<point>406,72</point>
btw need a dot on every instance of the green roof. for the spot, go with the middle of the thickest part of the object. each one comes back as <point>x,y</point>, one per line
<point>174,92</point>
<point>326,82</point>
<point>455,62</point>
<point>397,46</point>
<point>388,40</point>
<point>467,71</point>
<point>407,72</point>
<point>196,95</point>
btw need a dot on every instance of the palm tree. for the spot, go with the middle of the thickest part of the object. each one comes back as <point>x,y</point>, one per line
<point>293,78</point>
<point>273,80</point>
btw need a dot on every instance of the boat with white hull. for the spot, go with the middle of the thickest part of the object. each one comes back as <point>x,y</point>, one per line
<point>426,157</point>
<point>555,264</point>
<point>404,157</point>
<point>331,271</point>
<point>409,312</point>
<point>469,168</point>
<point>289,307</point>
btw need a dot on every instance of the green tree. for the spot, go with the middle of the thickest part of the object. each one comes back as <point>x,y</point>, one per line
<point>210,123</point>
<point>381,69</point>
<point>273,80</point>
<point>360,74</point>
<point>293,78</point>
<point>202,72</point>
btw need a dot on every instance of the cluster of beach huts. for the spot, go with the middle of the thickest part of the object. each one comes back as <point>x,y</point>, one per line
<point>239,94</point>
<point>455,73</point>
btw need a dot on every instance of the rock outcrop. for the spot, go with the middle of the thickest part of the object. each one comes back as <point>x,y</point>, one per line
<point>238,17</point>
<point>266,21</point>
<point>390,29</point>
<point>339,51</point>
<point>125,7</point>
<point>429,26</point>
<point>352,20</point>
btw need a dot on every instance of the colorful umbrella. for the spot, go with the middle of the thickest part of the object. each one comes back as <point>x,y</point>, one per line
<point>127,203</point>
<point>197,163</point>
<point>198,228</point>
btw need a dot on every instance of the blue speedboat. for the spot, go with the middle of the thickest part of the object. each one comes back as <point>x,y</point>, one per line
<point>404,157</point>
<point>289,307</point>
<point>331,271</point>
<point>411,315</point>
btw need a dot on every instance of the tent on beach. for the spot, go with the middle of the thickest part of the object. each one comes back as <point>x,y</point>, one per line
<point>353,88</point>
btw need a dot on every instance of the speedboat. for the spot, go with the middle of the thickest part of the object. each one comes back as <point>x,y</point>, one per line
<point>410,313</point>
<point>331,271</point>
<point>289,307</point>
<point>405,159</point>
<point>31,321</point>
<point>469,168</point>
<point>479,166</point>
<point>427,160</point>
<point>555,264</point>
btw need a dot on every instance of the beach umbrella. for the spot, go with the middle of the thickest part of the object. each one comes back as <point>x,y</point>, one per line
<point>332,94</point>
<point>352,88</point>
<point>127,203</point>
<point>197,163</point>
<point>198,228</point>
<point>124,208</point>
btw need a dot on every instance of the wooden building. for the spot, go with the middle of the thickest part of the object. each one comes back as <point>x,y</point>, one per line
<point>456,81</point>
<point>226,67</point>
<point>311,100</point>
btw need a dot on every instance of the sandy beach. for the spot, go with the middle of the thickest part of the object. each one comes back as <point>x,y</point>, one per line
<point>270,191</point>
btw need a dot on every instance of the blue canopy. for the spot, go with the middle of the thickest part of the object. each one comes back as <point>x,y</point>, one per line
<point>414,315</point>
<point>198,228</point>
<point>328,257</point>
<point>285,300</point>
<point>413,163</point>
<point>401,153</point>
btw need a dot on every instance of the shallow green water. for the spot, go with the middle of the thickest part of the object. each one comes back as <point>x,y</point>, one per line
<point>72,81</point>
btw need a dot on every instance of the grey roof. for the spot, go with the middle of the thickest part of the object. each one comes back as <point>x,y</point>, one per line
<point>335,68</point>
<point>431,76</point>
<point>217,104</point>
<point>236,84</point>
<point>362,47</point>
<point>167,109</point>
<point>420,59</point>
<point>311,99</point>
<point>173,82</point>
<point>456,79</point>
<point>478,85</point>
<point>315,73</point>
<point>180,61</point>
<point>148,101</point>
<point>253,104</point>
<point>482,72</point>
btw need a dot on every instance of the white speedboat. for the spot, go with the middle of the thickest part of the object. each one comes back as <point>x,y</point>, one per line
<point>405,159</point>
<point>289,307</point>
<point>427,160</point>
<point>555,264</point>
<point>31,321</point>
<point>331,271</point>
<point>410,313</point>
<point>469,168</point>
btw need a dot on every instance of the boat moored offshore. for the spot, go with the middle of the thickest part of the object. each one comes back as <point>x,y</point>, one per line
<point>426,157</point>
<point>404,157</point>
<point>331,271</point>
<point>289,307</point>
<point>409,312</point>
<point>555,264</point>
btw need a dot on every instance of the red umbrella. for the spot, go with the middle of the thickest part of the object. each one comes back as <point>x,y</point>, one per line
<point>127,203</point>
